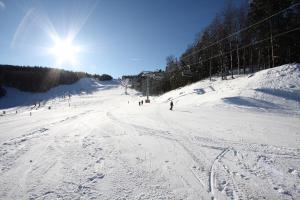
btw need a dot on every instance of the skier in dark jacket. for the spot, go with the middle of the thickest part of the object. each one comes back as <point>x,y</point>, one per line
<point>171,105</point>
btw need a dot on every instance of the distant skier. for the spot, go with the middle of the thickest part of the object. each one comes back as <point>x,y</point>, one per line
<point>139,103</point>
<point>171,105</point>
<point>142,102</point>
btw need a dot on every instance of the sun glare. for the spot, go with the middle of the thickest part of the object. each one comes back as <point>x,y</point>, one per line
<point>64,51</point>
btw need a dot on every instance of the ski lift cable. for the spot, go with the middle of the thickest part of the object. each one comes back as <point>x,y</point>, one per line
<point>245,46</point>
<point>243,29</point>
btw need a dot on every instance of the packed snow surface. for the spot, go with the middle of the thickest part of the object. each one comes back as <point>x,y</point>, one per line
<point>232,139</point>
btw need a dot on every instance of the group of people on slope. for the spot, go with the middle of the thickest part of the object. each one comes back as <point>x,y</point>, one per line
<point>141,103</point>
<point>171,104</point>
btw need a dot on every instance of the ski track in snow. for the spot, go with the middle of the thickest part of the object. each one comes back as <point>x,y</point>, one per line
<point>233,189</point>
<point>104,146</point>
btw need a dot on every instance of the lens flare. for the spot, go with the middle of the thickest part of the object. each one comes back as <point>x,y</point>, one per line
<point>64,51</point>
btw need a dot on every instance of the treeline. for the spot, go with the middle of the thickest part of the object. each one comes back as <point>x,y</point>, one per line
<point>39,79</point>
<point>252,36</point>
<point>103,77</point>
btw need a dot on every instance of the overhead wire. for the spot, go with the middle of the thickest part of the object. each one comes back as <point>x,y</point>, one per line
<point>239,31</point>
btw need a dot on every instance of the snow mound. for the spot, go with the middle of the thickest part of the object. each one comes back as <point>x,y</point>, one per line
<point>15,97</point>
<point>276,89</point>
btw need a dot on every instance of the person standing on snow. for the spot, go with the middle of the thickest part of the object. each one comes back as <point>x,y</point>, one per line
<point>171,105</point>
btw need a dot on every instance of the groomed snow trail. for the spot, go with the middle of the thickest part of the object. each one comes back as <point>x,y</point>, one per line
<point>105,146</point>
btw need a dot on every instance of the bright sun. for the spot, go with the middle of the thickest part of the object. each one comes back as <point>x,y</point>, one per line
<point>64,51</point>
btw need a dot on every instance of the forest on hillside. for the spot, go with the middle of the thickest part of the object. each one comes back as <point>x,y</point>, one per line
<point>243,38</point>
<point>40,79</point>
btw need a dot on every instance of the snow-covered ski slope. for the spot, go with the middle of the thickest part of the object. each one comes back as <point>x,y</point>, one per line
<point>231,139</point>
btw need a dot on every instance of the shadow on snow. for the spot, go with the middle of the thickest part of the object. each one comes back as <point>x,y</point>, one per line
<point>294,95</point>
<point>250,102</point>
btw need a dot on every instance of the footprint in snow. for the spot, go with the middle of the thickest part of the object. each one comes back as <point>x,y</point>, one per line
<point>99,160</point>
<point>292,171</point>
<point>97,176</point>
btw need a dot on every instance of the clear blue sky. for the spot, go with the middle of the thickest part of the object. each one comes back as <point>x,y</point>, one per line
<point>111,36</point>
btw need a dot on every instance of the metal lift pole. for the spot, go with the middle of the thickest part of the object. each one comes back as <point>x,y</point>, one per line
<point>147,93</point>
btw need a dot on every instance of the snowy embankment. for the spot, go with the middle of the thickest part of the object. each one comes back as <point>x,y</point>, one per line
<point>233,139</point>
<point>275,90</point>
<point>15,97</point>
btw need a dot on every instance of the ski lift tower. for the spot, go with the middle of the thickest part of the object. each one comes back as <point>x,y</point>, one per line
<point>148,75</point>
<point>125,84</point>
